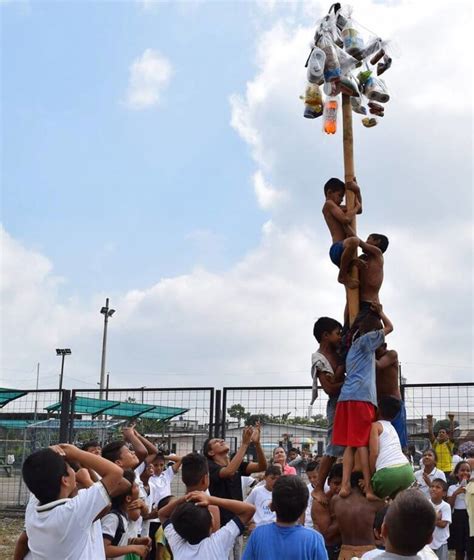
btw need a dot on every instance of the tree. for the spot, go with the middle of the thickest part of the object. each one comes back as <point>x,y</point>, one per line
<point>238,411</point>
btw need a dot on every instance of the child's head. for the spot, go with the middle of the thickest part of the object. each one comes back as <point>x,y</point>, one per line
<point>214,446</point>
<point>389,407</point>
<point>438,489</point>
<point>48,475</point>
<point>378,522</point>
<point>312,472</point>
<point>293,453</point>
<point>462,471</point>
<point>272,474</point>
<point>119,453</point>
<point>158,464</point>
<point>327,329</point>
<point>289,498</point>
<point>409,523</point>
<point>356,477</point>
<point>164,501</point>
<point>279,455</point>
<point>379,240</point>
<point>122,501</point>
<point>335,478</point>
<point>430,458</point>
<point>335,189</point>
<point>192,522</point>
<point>195,471</point>
<point>370,322</point>
<point>442,435</point>
<point>92,446</point>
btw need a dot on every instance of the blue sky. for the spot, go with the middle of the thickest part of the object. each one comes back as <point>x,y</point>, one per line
<point>199,212</point>
<point>94,184</point>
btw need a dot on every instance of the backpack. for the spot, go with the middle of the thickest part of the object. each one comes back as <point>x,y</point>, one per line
<point>120,528</point>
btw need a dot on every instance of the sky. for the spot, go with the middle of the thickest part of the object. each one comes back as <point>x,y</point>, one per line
<point>155,153</point>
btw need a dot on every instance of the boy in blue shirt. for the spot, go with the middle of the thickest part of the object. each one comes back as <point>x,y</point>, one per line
<point>286,538</point>
<point>357,403</point>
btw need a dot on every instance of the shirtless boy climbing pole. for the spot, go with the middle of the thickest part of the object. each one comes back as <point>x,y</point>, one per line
<point>338,218</point>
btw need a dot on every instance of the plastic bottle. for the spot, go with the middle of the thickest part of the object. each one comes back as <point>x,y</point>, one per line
<point>330,116</point>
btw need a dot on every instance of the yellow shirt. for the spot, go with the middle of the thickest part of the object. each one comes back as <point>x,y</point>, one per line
<point>444,451</point>
<point>161,539</point>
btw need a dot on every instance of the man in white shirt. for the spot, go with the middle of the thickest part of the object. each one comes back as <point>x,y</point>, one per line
<point>61,527</point>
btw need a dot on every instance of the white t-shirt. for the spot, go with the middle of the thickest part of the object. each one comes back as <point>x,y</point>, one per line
<point>308,520</point>
<point>435,473</point>
<point>390,450</point>
<point>424,554</point>
<point>65,529</point>
<point>160,486</point>
<point>215,547</point>
<point>460,501</point>
<point>110,523</point>
<point>261,498</point>
<point>441,534</point>
<point>455,459</point>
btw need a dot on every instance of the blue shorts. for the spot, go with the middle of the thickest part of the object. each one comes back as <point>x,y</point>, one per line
<point>332,450</point>
<point>335,252</point>
<point>400,425</point>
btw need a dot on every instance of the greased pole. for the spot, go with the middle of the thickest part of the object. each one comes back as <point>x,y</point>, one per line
<point>349,174</point>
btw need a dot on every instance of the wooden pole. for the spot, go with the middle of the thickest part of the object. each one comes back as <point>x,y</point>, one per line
<point>349,174</point>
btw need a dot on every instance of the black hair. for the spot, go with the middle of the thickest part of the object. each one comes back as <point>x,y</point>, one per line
<point>431,450</point>
<point>379,518</point>
<point>117,501</point>
<point>382,241</point>
<point>311,466</point>
<point>441,482</point>
<point>389,407</point>
<point>273,470</point>
<point>370,322</point>
<point>193,467</point>
<point>205,447</point>
<point>289,498</point>
<point>90,443</point>
<point>164,501</point>
<point>191,522</point>
<point>325,324</point>
<point>410,522</point>
<point>112,450</point>
<point>295,449</point>
<point>334,185</point>
<point>355,477</point>
<point>42,472</point>
<point>335,472</point>
<point>458,466</point>
<point>159,457</point>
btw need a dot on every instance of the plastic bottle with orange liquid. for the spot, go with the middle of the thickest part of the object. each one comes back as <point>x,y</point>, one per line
<point>330,116</point>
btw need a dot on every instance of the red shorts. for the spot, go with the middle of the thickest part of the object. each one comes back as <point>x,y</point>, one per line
<point>352,423</point>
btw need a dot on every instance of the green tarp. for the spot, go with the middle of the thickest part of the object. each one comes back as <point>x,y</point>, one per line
<point>8,395</point>
<point>53,424</point>
<point>94,407</point>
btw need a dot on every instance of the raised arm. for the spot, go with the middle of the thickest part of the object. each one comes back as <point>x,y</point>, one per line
<point>451,426</point>
<point>131,437</point>
<point>328,383</point>
<point>243,510</point>
<point>387,324</point>
<point>370,249</point>
<point>150,447</point>
<point>343,216</point>
<point>354,187</point>
<point>429,419</point>
<point>112,474</point>
<point>229,470</point>
<point>261,463</point>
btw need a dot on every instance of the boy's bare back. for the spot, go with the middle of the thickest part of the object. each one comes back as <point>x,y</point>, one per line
<point>332,214</point>
<point>387,375</point>
<point>371,277</point>
<point>355,518</point>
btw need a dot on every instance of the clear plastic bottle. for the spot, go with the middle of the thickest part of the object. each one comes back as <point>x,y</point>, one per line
<point>330,115</point>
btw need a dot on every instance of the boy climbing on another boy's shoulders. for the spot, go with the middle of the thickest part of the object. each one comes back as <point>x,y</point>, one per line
<point>338,217</point>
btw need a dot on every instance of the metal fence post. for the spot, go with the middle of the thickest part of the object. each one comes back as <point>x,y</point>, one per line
<point>217,415</point>
<point>224,413</point>
<point>211,413</point>
<point>64,416</point>
<point>71,417</point>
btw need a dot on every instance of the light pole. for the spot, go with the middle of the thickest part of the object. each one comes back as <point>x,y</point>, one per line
<point>62,352</point>
<point>106,312</point>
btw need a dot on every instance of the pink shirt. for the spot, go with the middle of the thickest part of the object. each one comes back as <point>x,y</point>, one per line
<point>288,470</point>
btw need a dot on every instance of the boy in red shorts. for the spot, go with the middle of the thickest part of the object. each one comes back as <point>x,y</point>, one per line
<point>356,406</point>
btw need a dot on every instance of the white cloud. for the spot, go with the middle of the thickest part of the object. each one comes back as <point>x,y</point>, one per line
<point>150,74</point>
<point>267,196</point>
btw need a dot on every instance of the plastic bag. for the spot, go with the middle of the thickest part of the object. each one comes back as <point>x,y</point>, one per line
<point>330,115</point>
<point>346,61</point>
<point>332,89</point>
<point>357,105</point>
<point>376,90</point>
<point>353,42</point>
<point>376,109</point>
<point>369,122</point>
<point>385,65</point>
<point>313,100</point>
<point>316,62</point>
<point>349,85</point>
<point>373,48</point>
<point>332,68</point>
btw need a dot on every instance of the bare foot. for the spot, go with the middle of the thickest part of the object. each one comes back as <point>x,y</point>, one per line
<point>345,491</point>
<point>349,283</point>
<point>320,497</point>
<point>372,497</point>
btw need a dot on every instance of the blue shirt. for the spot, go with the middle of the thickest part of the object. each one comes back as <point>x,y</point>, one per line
<point>360,368</point>
<point>291,543</point>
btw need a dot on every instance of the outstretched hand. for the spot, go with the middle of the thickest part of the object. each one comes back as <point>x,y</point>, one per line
<point>247,435</point>
<point>256,433</point>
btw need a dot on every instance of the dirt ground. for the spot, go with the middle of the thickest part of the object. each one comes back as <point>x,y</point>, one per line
<point>10,528</point>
